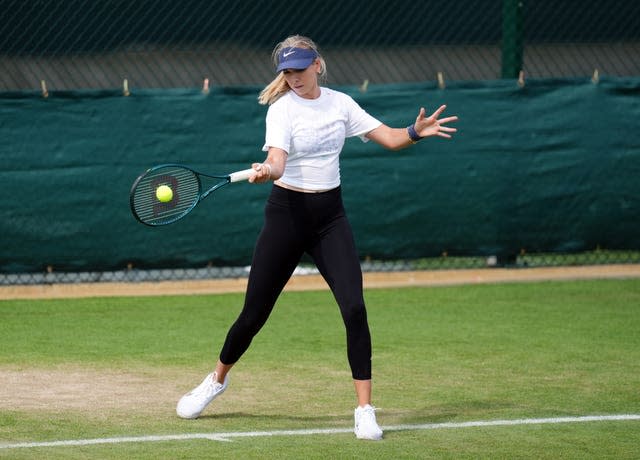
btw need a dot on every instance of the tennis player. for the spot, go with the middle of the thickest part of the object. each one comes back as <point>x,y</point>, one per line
<point>306,127</point>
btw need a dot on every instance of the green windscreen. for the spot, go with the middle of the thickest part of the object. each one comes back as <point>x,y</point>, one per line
<point>552,166</point>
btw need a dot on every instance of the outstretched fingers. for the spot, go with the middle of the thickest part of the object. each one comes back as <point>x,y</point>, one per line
<point>433,125</point>
<point>448,120</point>
<point>444,130</point>
<point>438,112</point>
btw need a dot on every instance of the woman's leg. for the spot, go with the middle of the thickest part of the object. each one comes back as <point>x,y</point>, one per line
<point>277,253</point>
<point>275,257</point>
<point>221,371</point>
<point>363,391</point>
<point>336,256</point>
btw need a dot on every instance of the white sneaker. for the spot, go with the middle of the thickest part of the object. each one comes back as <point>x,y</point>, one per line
<point>366,426</point>
<point>193,403</point>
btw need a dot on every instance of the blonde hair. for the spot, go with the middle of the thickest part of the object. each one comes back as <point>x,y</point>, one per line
<point>278,86</point>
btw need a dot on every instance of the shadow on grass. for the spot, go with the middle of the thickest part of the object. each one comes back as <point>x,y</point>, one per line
<point>284,419</point>
<point>420,414</point>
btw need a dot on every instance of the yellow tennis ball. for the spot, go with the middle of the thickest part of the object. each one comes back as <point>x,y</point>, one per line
<point>164,194</point>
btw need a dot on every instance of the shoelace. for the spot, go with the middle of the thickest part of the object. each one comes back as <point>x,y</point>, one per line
<point>371,409</point>
<point>204,389</point>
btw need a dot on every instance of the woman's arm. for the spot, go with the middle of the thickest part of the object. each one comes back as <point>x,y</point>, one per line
<point>399,138</point>
<point>272,168</point>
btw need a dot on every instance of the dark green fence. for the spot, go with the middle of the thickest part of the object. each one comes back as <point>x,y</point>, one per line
<point>551,167</point>
<point>543,170</point>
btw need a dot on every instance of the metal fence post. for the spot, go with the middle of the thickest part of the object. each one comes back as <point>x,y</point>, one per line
<point>512,42</point>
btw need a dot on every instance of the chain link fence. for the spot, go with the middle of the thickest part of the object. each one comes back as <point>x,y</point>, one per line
<point>133,275</point>
<point>104,44</point>
<point>73,44</point>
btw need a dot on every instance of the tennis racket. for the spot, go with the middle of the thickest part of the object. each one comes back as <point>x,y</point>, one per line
<point>166,193</point>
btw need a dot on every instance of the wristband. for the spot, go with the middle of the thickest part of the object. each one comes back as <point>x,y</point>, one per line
<point>413,135</point>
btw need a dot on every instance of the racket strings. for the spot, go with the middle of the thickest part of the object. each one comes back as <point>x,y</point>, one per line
<point>186,189</point>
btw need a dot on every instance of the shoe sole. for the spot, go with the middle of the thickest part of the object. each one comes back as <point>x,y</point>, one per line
<point>188,416</point>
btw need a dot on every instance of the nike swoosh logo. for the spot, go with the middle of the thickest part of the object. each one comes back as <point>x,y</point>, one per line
<point>288,54</point>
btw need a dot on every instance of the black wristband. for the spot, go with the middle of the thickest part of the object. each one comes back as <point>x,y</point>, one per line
<point>413,135</point>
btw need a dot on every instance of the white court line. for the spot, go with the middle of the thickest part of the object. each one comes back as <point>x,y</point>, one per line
<point>252,434</point>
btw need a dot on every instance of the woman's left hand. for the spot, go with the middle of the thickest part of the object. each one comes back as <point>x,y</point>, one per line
<point>433,125</point>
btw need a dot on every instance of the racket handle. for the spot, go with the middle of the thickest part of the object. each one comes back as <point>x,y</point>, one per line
<point>241,175</point>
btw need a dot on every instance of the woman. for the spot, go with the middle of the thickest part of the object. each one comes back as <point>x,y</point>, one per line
<point>306,127</point>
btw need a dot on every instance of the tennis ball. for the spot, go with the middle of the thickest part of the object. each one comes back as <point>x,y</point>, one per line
<point>164,194</point>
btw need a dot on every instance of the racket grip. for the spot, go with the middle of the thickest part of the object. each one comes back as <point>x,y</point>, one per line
<point>241,175</point>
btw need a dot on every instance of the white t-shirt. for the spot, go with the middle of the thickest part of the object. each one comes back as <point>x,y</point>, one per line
<point>312,132</point>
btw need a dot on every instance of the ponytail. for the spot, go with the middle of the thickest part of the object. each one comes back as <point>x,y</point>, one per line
<point>274,90</point>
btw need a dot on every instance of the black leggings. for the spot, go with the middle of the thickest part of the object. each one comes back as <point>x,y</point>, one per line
<point>296,223</point>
